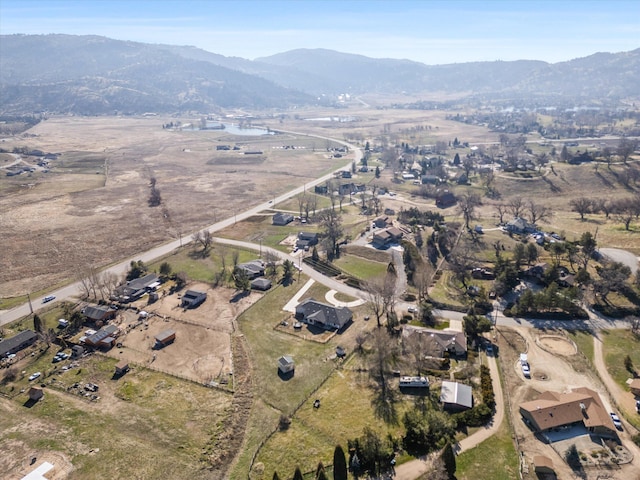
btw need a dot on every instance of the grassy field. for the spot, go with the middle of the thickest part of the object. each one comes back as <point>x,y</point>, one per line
<point>361,268</point>
<point>584,341</point>
<point>167,422</point>
<point>473,464</point>
<point>617,345</point>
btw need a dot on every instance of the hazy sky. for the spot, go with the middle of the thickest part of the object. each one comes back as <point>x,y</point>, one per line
<point>432,32</point>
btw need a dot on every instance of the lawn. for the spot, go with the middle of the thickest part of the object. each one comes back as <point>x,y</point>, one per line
<point>361,268</point>
<point>345,409</point>
<point>473,465</point>
<point>584,341</point>
<point>617,345</point>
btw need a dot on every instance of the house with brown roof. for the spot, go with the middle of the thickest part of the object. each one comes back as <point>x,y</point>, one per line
<point>579,406</point>
<point>386,237</point>
<point>435,343</point>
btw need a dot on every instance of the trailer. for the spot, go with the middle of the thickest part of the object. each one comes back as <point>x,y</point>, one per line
<point>164,338</point>
<point>414,382</point>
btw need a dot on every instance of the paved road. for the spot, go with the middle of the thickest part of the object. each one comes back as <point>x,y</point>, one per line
<point>74,290</point>
<point>622,256</point>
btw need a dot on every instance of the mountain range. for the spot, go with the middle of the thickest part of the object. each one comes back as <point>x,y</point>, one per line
<point>93,75</point>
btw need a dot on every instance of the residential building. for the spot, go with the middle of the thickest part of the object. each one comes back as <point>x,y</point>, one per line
<point>18,342</point>
<point>520,226</point>
<point>582,405</point>
<point>253,269</point>
<point>306,240</point>
<point>323,315</point>
<point>435,343</point>
<point>286,364</point>
<point>98,313</point>
<point>282,219</point>
<point>445,199</point>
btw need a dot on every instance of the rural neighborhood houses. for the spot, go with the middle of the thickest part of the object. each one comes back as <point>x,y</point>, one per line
<point>134,289</point>
<point>436,343</point>
<point>282,219</point>
<point>323,315</point>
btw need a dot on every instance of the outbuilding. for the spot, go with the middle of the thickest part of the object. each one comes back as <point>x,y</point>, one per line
<point>35,393</point>
<point>286,364</point>
<point>193,298</point>
<point>122,367</point>
<point>164,338</point>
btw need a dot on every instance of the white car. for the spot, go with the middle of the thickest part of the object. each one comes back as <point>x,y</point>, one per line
<point>33,376</point>
<point>616,421</point>
<point>526,371</point>
<point>412,309</point>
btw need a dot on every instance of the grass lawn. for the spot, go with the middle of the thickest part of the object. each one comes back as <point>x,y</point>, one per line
<point>473,464</point>
<point>361,268</point>
<point>617,345</point>
<point>584,341</point>
<point>346,408</point>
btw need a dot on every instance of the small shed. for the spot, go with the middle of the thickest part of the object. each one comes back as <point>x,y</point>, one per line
<point>164,338</point>
<point>35,393</point>
<point>122,367</point>
<point>193,298</point>
<point>543,464</point>
<point>634,386</point>
<point>261,283</point>
<point>286,364</point>
<point>77,351</point>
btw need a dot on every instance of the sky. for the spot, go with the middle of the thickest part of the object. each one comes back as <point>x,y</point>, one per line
<point>428,31</point>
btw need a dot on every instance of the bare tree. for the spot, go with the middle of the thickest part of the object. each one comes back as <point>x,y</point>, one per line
<point>501,210</point>
<point>415,347</point>
<point>301,203</point>
<point>467,204</point>
<point>375,297</point>
<point>384,357</point>
<point>204,238</point>
<point>582,206</point>
<point>626,147</point>
<point>516,207</point>
<point>537,212</point>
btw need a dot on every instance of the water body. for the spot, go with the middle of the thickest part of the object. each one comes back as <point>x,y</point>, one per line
<point>236,130</point>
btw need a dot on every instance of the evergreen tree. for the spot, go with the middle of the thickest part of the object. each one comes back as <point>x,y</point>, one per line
<point>37,324</point>
<point>449,459</point>
<point>320,472</point>
<point>339,464</point>
<point>275,476</point>
<point>377,172</point>
<point>297,474</point>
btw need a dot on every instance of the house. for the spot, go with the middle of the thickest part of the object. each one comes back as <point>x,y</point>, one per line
<point>408,176</point>
<point>430,180</point>
<point>346,174</point>
<point>321,189</point>
<point>436,343</point>
<point>122,367</point>
<point>381,222</point>
<point>537,271</point>
<point>456,396</point>
<point>35,394</point>
<point>286,364</point>
<point>261,283</point>
<point>634,386</point>
<point>445,199</point>
<point>134,289</point>
<point>98,313</point>
<point>481,273</point>
<point>253,269</point>
<point>306,240</point>
<point>164,338</point>
<point>104,338</point>
<point>346,188</point>
<point>281,219</point>
<point>386,237</point>
<point>18,342</point>
<point>192,298</point>
<point>520,226</point>
<point>580,406</point>
<point>323,315</point>
<point>462,179</point>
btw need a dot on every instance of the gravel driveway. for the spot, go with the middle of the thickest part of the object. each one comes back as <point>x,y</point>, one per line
<point>622,256</point>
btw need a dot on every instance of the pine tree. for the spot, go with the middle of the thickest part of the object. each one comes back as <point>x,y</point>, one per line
<point>320,472</point>
<point>449,459</point>
<point>298,474</point>
<point>37,324</point>
<point>275,476</point>
<point>339,464</point>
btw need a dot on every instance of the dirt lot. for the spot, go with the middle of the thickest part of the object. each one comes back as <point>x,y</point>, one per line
<point>555,366</point>
<point>202,349</point>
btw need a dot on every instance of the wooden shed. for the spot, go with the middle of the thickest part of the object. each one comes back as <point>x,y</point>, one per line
<point>122,367</point>
<point>164,338</point>
<point>286,364</point>
<point>35,393</point>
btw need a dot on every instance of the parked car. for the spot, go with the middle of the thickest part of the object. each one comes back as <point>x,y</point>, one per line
<point>33,376</point>
<point>48,298</point>
<point>412,309</point>
<point>526,371</point>
<point>490,349</point>
<point>638,406</point>
<point>616,421</point>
